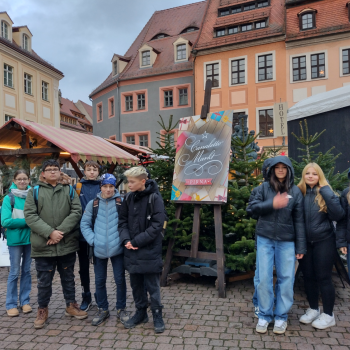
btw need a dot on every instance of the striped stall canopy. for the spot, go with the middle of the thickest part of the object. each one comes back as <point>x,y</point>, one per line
<point>133,149</point>
<point>80,146</point>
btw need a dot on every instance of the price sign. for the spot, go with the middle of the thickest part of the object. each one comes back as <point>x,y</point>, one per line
<point>202,158</point>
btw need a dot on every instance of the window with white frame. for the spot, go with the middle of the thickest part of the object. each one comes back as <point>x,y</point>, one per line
<point>266,123</point>
<point>346,61</point>
<point>4,30</point>
<point>128,103</point>
<point>146,58</point>
<point>130,140</point>
<point>265,67</point>
<point>143,140</point>
<point>308,20</point>
<point>8,75</point>
<point>183,97</point>
<point>27,83</point>
<point>181,52</point>
<point>212,73</point>
<point>299,68</point>
<point>25,42</point>
<point>45,91</point>
<point>238,71</point>
<point>8,117</point>
<point>236,119</point>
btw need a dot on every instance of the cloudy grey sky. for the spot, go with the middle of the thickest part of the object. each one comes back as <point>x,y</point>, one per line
<point>79,37</point>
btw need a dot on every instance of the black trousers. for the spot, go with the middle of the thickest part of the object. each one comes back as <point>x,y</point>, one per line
<point>317,267</point>
<point>84,266</point>
<point>45,270</point>
<point>140,284</point>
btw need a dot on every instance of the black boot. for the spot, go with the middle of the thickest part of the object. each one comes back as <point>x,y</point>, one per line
<point>158,322</point>
<point>86,302</point>
<point>139,317</point>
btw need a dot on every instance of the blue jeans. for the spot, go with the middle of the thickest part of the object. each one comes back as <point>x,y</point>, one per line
<point>283,255</point>
<point>100,268</point>
<point>16,253</point>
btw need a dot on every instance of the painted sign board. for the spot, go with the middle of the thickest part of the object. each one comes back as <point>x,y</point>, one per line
<point>202,158</point>
<point>280,119</point>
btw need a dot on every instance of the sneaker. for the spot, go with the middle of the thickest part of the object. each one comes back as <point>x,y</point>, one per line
<point>324,321</point>
<point>280,327</point>
<point>12,312</point>
<point>100,317</point>
<point>123,315</point>
<point>73,310</point>
<point>26,309</point>
<point>310,316</point>
<point>41,317</point>
<point>158,322</point>
<point>261,326</point>
<point>139,317</point>
<point>86,302</point>
<point>256,311</point>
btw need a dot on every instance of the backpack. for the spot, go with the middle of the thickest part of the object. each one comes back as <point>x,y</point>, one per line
<point>3,229</point>
<point>36,194</point>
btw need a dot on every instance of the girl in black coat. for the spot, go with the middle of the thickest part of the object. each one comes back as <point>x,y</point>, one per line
<point>321,208</point>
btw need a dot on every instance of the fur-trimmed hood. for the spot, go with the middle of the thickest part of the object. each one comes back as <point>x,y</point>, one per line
<point>64,179</point>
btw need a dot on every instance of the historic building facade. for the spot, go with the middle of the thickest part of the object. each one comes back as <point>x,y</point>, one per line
<point>154,77</point>
<point>317,46</point>
<point>29,85</point>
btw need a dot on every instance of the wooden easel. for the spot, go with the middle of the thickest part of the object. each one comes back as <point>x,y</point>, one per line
<point>194,253</point>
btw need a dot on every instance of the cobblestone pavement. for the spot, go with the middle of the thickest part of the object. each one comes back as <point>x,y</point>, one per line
<point>195,319</point>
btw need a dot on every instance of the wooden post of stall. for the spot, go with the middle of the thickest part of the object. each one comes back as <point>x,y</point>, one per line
<point>112,168</point>
<point>76,168</point>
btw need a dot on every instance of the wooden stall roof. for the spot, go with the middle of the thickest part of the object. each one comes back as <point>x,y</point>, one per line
<point>133,149</point>
<point>78,146</point>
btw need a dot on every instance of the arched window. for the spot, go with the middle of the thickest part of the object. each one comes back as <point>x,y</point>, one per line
<point>25,42</point>
<point>4,30</point>
<point>307,19</point>
<point>189,29</point>
<point>160,36</point>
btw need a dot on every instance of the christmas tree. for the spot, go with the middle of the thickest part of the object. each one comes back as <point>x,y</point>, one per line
<point>326,161</point>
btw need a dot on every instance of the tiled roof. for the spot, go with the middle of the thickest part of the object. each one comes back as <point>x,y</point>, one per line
<point>67,107</point>
<point>327,11</point>
<point>16,29</point>
<point>33,55</point>
<point>171,22</point>
<point>275,13</point>
<point>88,108</point>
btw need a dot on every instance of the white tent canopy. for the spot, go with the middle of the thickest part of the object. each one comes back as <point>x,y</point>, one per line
<point>320,103</point>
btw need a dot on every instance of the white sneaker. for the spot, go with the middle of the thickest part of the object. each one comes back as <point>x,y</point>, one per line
<point>280,327</point>
<point>324,321</point>
<point>261,326</point>
<point>310,316</point>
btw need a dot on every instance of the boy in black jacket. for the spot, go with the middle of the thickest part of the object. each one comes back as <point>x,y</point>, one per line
<point>141,222</point>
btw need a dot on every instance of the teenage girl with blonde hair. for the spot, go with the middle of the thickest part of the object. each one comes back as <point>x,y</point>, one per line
<point>321,208</point>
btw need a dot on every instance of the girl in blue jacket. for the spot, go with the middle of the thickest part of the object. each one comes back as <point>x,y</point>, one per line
<point>102,233</point>
<point>18,241</point>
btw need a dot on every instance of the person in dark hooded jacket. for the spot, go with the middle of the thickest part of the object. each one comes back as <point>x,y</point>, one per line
<point>321,208</point>
<point>280,232</point>
<point>141,233</point>
<point>87,189</point>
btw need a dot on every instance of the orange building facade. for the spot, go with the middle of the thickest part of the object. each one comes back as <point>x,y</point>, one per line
<point>241,47</point>
<point>317,47</point>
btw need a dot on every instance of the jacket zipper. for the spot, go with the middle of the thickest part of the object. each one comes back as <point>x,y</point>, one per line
<point>107,227</point>
<point>309,221</point>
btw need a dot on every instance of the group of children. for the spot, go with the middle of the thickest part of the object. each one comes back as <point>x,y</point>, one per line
<point>56,221</point>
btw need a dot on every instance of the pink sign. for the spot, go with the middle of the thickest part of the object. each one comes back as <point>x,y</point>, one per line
<point>196,182</point>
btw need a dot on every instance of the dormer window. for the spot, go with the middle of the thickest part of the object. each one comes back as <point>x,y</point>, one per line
<point>251,5</point>
<point>160,36</point>
<point>307,19</point>
<point>4,30</point>
<point>181,52</point>
<point>115,67</point>
<point>25,42</point>
<point>189,29</point>
<point>146,58</point>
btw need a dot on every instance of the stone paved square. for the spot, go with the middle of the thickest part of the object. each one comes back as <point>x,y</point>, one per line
<point>195,318</point>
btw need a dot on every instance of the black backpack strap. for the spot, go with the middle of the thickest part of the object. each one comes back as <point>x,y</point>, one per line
<point>150,208</point>
<point>95,205</point>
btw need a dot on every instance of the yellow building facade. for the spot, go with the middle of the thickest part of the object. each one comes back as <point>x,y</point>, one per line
<point>29,85</point>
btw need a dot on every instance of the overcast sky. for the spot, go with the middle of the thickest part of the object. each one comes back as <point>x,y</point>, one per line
<point>79,37</point>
